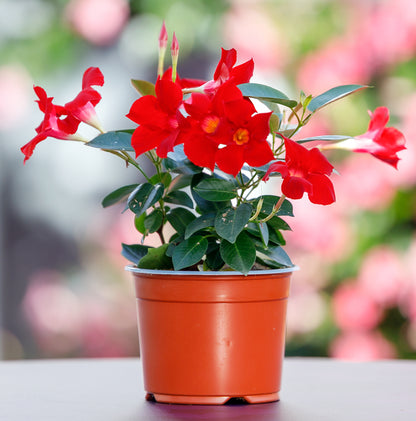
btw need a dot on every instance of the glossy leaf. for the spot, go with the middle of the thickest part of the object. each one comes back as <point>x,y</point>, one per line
<point>213,260</point>
<point>332,95</point>
<point>153,221</point>
<point>269,202</point>
<point>178,197</point>
<point>165,178</point>
<point>114,141</point>
<point>230,222</point>
<point>189,252</point>
<point>118,195</point>
<point>239,255</point>
<point>134,252</point>
<point>264,92</point>
<point>278,224</point>
<point>325,138</point>
<point>144,196</point>
<point>156,258</point>
<point>274,256</point>
<point>180,181</point>
<point>259,230</point>
<point>178,162</point>
<point>139,223</point>
<point>143,87</point>
<point>203,204</point>
<point>180,218</point>
<point>215,189</point>
<point>202,222</point>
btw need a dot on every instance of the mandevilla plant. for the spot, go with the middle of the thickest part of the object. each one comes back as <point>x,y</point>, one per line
<point>211,150</point>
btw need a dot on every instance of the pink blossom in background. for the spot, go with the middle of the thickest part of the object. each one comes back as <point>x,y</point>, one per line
<point>54,312</point>
<point>337,63</point>
<point>100,322</point>
<point>98,21</point>
<point>319,229</point>
<point>16,93</point>
<point>249,29</point>
<point>408,298</point>
<point>382,276</point>
<point>406,176</point>
<point>110,327</point>
<point>361,346</point>
<point>306,311</point>
<point>364,183</point>
<point>377,37</point>
<point>354,310</point>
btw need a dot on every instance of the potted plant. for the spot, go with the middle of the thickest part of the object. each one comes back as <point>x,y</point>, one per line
<point>212,296</point>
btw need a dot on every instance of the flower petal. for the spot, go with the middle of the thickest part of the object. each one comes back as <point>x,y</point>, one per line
<point>145,138</point>
<point>230,159</point>
<point>295,187</point>
<point>323,192</point>
<point>92,77</point>
<point>169,95</point>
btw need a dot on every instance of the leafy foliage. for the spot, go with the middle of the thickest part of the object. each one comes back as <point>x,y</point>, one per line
<point>215,227</point>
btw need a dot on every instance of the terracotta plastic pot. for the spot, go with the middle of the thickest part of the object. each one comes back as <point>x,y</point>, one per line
<point>207,337</point>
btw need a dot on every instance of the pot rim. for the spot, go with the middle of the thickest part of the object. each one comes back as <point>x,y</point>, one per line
<point>134,269</point>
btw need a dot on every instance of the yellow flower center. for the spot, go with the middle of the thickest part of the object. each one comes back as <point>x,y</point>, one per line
<point>210,124</point>
<point>241,136</point>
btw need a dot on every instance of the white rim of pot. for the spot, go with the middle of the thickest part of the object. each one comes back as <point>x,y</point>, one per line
<point>132,268</point>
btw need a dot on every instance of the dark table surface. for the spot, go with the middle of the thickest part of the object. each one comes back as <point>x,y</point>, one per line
<point>112,389</point>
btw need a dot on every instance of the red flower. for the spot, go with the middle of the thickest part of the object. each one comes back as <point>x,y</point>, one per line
<point>304,171</point>
<point>225,130</point>
<point>53,125</point>
<point>61,122</point>
<point>82,107</point>
<point>226,71</point>
<point>380,141</point>
<point>159,118</point>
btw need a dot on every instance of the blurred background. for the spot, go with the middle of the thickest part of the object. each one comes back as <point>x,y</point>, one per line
<point>63,290</point>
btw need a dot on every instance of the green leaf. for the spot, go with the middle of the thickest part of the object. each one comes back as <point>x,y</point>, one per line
<point>274,256</point>
<point>239,255</point>
<point>180,181</point>
<point>278,224</point>
<point>189,252</point>
<point>230,222</point>
<point>213,260</point>
<point>267,93</point>
<point>276,237</point>
<point>215,189</point>
<point>269,202</point>
<point>180,218</point>
<point>144,196</point>
<point>326,138</point>
<point>179,198</point>
<point>156,259</point>
<point>259,230</point>
<point>139,223</point>
<point>133,252</point>
<point>118,195</point>
<point>178,162</point>
<point>114,141</point>
<point>274,123</point>
<point>205,205</point>
<point>165,178</point>
<point>153,221</point>
<point>143,87</point>
<point>332,95</point>
<point>204,221</point>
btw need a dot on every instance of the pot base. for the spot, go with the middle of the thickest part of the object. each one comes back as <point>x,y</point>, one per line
<point>210,400</point>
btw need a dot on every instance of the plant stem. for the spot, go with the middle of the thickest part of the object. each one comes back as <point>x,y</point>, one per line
<point>275,209</point>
